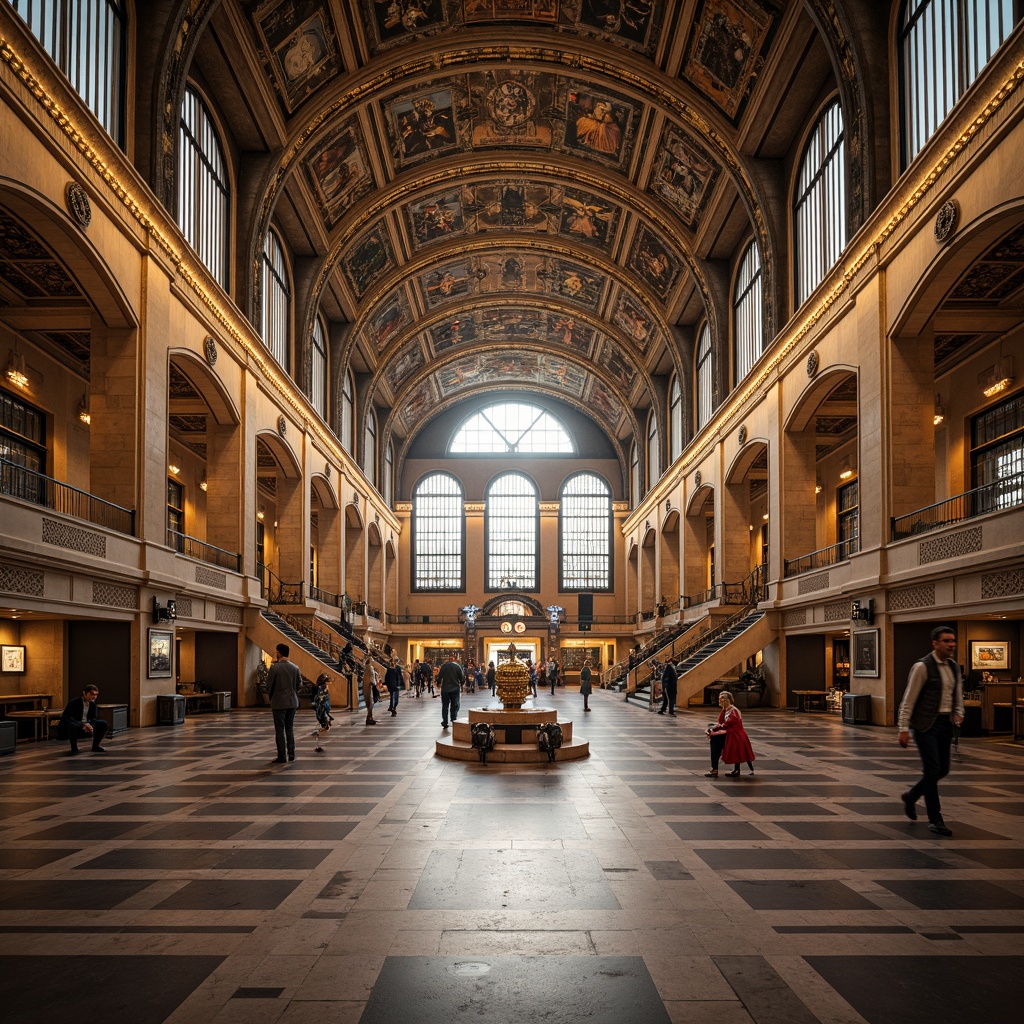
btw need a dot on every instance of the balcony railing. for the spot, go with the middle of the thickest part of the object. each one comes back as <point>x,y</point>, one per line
<point>28,485</point>
<point>324,596</point>
<point>193,547</point>
<point>275,590</point>
<point>822,558</point>
<point>994,497</point>
<point>746,591</point>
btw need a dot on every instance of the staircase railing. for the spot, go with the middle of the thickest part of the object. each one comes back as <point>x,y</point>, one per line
<point>277,591</point>
<point>315,636</point>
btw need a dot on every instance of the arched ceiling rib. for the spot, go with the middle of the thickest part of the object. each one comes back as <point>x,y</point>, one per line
<point>531,194</point>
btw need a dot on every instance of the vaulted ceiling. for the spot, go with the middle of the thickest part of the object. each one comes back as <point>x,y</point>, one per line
<point>534,195</point>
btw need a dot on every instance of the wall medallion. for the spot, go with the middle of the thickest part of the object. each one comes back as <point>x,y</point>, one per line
<point>210,350</point>
<point>743,434</point>
<point>812,364</point>
<point>78,204</point>
<point>696,479</point>
<point>282,425</point>
<point>946,220</point>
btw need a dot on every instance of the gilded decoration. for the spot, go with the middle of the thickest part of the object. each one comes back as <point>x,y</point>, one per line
<point>77,200</point>
<point>513,679</point>
<point>684,175</point>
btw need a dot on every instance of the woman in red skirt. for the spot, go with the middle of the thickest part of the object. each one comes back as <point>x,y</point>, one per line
<point>729,740</point>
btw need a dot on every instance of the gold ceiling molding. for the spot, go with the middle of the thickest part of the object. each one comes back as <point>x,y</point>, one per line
<point>192,274</point>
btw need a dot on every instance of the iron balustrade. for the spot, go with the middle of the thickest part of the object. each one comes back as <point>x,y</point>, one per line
<point>324,596</point>
<point>315,636</point>
<point>746,591</point>
<point>277,591</point>
<point>822,558</point>
<point>28,485</point>
<point>994,497</point>
<point>193,547</point>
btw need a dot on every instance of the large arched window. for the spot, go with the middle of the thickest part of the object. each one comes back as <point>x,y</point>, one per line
<point>348,412</point>
<point>747,313</point>
<point>704,377</point>
<point>511,428</point>
<point>512,533</point>
<point>277,299</point>
<point>87,41</point>
<point>370,448</point>
<point>203,195</point>
<point>675,421</point>
<point>634,474</point>
<point>819,206</point>
<point>585,534</point>
<point>943,45</point>
<point>318,368</point>
<point>653,450</point>
<point>438,534</point>
<point>389,472</point>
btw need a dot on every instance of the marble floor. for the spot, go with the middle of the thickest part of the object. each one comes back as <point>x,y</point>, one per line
<point>182,878</point>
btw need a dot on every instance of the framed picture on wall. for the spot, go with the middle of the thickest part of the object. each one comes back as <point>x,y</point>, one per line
<point>985,654</point>
<point>12,660</point>
<point>160,641</point>
<point>865,653</point>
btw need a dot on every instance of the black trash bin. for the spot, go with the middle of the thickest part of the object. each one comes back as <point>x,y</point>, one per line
<point>170,709</point>
<point>857,708</point>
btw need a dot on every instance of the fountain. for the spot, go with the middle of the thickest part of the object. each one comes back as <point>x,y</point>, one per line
<point>515,725</point>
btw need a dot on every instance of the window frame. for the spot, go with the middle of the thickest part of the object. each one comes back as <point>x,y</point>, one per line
<point>563,517</point>
<point>704,377</point>
<point>675,419</point>
<point>318,360</point>
<point>272,303</point>
<point>348,412</point>
<point>512,448</point>
<point>747,313</point>
<point>414,537</point>
<point>489,516</point>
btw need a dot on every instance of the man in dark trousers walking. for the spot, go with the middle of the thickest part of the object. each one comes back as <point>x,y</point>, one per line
<point>669,688</point>
<point>932,707</point>
<point>283,682</point>
<point>450,680</point>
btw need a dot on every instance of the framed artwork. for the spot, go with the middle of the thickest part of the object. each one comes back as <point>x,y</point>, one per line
<point>12,660</point>
<point>160,641</point>
<point>985,654</point>
<point>865,653</point>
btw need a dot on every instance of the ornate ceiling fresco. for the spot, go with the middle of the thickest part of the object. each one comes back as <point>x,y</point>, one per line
<point>481,195</point>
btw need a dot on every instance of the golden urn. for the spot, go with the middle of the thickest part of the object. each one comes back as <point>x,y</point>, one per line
<point>513,679</point>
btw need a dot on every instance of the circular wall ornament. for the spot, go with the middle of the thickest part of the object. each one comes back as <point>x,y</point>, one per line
<point>210,350</point>
<point>327,470</point>
<point>78,204</point>
<point>506,627</point>
<point>520,627</point>
<point>282,425</point>
<point>946,220</point>
<point>812,364</point>
<point>743,434</point>
<point>696,478</point>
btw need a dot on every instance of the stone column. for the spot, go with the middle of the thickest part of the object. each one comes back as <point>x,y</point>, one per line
<point>912,428</point>
<point>796,481</point>
<point>292,534</point>
<point>224,484</point>
<point>329,549</point>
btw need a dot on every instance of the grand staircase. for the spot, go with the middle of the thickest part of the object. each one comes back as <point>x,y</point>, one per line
<point>272,629</point>
<point>708,657</point>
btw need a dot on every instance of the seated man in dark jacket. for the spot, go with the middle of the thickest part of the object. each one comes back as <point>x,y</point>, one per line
<point>79,719</point>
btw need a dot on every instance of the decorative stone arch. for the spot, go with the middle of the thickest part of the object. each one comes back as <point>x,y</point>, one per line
<point>816,391</point>
<point>698,526</point>
<point>744,501</point>
<point>325,520</point>
<point>532,605</point>
<point>374,570</point>
<point>205,380</point>
<point>287,461</point>
<point>744,459</point>
<point>354,546</point>
<point>668,558</point>
<point>633,575</point>
<point>648,595</point>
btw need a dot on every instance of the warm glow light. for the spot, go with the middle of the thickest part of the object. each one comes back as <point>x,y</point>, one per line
<point>83,411</point>
<point>938,417</point>
<point>16,370</point>
<point>765,517</point>
<point>202,486</point>
<point>993,389</point>
<point>260,514</point>
<point>846,473</point>
<point>817,488</point>
<point>174,470</point>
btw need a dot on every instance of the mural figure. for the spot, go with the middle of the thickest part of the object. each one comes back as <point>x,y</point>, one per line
<point>425,124</point>
<point>369,259</point>
<point>587,218</point>
<point>598,129</point>
<point>627,18</point>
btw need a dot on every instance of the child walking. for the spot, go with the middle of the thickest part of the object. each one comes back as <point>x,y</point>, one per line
<point>322,708</point>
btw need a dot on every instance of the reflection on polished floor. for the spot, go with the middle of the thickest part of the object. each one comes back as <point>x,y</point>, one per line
<point>182,878</point>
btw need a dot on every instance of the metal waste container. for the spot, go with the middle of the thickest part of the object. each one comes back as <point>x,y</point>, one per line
<point>170,709</point>
<point>857,708</point>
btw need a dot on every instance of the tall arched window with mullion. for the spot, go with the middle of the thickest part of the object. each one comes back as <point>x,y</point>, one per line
<point>348,411</point>
<point>585,534</point>
<point>512,533</point>
<point>87,40</point>
<point>943,45</point>
<point>318,368</point>
<point>819,209</point>
<point>204,208</point>
<point>277,299</point>
<point>438,534</point>
<point>675,420</point>
<point>634,474</point>
<point>653,450</point>
<point>389,472</point>
<point>704,381</point>
<point>370,449</point>
<point>747,313</point>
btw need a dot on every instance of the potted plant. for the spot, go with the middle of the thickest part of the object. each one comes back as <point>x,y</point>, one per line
<point>751,686</point>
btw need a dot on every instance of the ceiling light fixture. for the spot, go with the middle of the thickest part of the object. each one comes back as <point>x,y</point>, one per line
<point>16,370</point>
<point>999,380</point>
<point>847,472</point>
<point>940,412</point>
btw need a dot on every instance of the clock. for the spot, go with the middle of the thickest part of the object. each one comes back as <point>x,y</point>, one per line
<point>520,627</point>
<point>506,627</point>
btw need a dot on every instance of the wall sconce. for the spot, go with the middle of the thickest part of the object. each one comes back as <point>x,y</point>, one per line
<point>817,487</point>
<point>940,412</point>
<point>275,524</point>
<point>999,380</point>
<point>16,370</point>
<point>202,486</point>
<point>668,504</point>
<point>765,517</point>
<point>173,470</point>
<point>847,472</point>
<point>83,411</point>
<point>260,513</point>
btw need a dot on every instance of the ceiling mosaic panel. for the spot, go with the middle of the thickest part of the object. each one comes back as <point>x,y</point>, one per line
<point>29,267</point>
<point>684,174</point>
<point>296,40</point>
<point>404,365</point>
<point>369,259</point>
<point>602,401</point>
<point>654,262</point>
<point>417,402</point>
<point>630,23</point>
<point>514,206</point>
<point>388,321</point>
<point>632,319</point>
<point>511,324</point>
<point>338,171</point>
<point>511,367</point>
<point>531,110</point>
<point>726,48</point>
